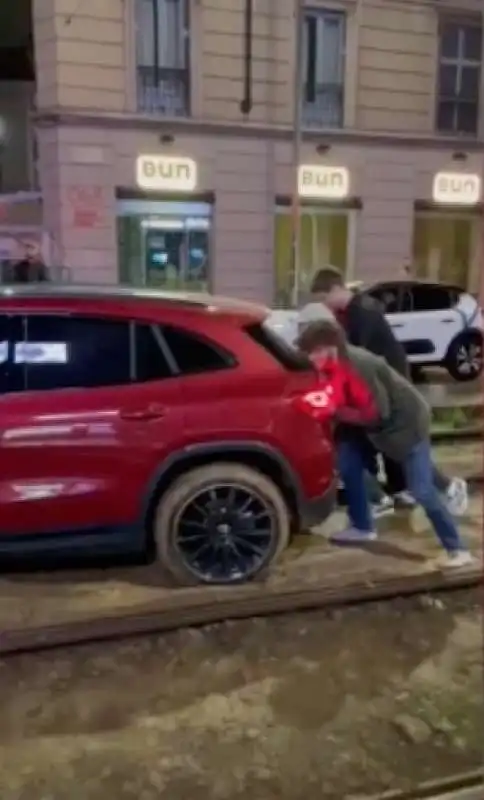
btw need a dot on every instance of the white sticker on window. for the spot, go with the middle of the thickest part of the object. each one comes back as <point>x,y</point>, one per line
<point>3,352</point>
<point>41,353</point>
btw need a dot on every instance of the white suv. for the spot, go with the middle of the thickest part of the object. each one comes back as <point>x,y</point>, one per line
<point>438,324</point>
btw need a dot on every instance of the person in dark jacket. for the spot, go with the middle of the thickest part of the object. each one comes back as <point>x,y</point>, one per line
<point>30,269</point>
<point>366,326</point>
<point>364,390</point>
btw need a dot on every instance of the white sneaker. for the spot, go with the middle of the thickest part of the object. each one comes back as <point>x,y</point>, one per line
<point>404,500</point>
<point>383,508</point>
<point>353,536</point>
<point>456,559</point>
<point>458,497</point>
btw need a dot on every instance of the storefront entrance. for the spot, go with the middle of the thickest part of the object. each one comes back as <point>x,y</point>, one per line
<point>326,237</point>
<point>446,248</point>
<point>164,244</point>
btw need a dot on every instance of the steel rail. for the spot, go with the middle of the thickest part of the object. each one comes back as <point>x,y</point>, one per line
<point>455,787</point>
<point>472,433</point>
<point>237,603</point>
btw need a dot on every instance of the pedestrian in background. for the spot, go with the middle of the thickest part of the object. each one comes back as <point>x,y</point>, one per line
<point>30,268</point>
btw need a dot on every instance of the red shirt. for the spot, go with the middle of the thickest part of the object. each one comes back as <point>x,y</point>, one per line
<point>340,393</point>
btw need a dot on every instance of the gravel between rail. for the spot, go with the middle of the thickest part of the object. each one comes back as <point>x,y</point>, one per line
<point>333,705</point>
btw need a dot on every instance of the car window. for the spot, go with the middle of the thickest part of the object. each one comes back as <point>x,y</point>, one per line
<point>406,300</point>
<point>11,374</point>
<point>74,352</point>
<point>150,363</point>
<point>193,354</point>
<point>278,347</point>
<point>388,296</point>
<point>431,298</point>
<point>4,354</point>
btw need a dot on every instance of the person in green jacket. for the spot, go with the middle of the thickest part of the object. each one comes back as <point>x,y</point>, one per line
<point>396,419</point>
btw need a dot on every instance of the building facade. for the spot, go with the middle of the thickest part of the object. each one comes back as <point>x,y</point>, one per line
<point>165,140</point>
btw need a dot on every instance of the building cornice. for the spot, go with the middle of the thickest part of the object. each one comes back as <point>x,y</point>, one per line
<point>53,118</point>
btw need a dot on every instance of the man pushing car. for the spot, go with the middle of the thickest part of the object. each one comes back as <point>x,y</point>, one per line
<point>359,388</point>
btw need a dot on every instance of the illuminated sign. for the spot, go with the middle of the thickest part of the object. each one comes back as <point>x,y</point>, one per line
<point>324,183</point>
<point>166,173</point>
<point>456,188</point>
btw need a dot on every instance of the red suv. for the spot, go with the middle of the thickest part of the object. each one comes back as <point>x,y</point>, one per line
<point>138,419</point>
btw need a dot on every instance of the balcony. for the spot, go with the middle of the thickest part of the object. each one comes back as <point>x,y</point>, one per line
<point>323,106</point>
<point>164,91</point>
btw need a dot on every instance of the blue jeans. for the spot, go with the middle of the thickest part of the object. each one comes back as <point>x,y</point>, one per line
<point>422,482</point>
<point>352,466</point>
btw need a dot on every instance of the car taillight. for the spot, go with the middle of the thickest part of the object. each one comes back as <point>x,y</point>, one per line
<point>320,404</point>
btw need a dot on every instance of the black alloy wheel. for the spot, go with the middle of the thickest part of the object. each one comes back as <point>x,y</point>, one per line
<point>224,533</point>
<point>221,524</point>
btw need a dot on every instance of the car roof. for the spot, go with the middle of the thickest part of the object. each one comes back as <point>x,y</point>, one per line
<point>407,282</point>
<point>198,302</point>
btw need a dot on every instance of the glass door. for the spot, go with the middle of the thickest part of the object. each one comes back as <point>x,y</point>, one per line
<point>444,247</point>
<point>324,239</point>
<point>197,259</point>
<point>163,251</point>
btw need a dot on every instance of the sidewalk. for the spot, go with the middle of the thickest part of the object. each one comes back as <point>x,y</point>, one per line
<point>312,565</point>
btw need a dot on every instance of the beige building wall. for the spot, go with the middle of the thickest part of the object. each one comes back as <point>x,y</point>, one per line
<point>90,133</point>
<point>85,55</point>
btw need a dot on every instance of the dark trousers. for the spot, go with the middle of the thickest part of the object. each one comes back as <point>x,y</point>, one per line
<point>421,481</point>
<point>394,472</point>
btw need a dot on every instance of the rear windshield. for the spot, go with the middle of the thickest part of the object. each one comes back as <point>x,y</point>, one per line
<point>285,354</point>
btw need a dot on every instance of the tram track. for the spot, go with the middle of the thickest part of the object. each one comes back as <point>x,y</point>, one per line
<point>446,436</point>
<point>464,786</point>
<point>228,604</point>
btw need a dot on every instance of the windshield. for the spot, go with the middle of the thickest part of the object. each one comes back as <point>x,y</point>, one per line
<point>284,324</point>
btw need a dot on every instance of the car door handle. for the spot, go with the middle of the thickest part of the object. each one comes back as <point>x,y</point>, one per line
<point>397,325</point>
<point>144,414</point>
<point>447,321</point>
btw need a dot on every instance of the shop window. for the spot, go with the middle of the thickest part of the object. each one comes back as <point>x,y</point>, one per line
<point>162,56</point>
<point>324,35</point>
<point>445,247</point>
<point>164,245</point>
<point>459,77</point>
<point>323,240</point>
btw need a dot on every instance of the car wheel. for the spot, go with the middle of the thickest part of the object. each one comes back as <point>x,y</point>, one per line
<point>223,523</point>
<point>464,360</point>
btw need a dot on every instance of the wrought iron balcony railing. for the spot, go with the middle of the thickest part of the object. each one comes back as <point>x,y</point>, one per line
<point>163,90</point>
<point>325,108</point>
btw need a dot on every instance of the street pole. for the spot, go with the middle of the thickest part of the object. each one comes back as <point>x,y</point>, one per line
<point>296,150</point>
